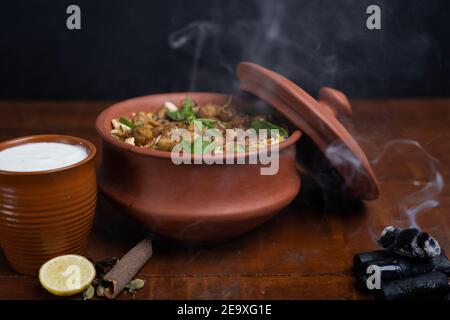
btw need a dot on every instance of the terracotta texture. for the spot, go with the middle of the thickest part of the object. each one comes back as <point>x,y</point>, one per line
<point>44,214</point>
<point>318,120</point>
<point>200,203</point>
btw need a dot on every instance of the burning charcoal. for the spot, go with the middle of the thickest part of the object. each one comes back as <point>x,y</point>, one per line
<point>409,242</point>
<point>427,286</point>
<point>388,236</point>
<point>429,245</point>
<point>400,241</point>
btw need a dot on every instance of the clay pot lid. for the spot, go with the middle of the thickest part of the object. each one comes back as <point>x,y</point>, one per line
<point>318,120</point>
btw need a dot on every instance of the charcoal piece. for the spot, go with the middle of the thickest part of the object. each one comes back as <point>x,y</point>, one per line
<point>441,263</point>
<point>395,267</point>
<point>432,285</point>
<point>365,257</point>
<point>388,236</point>
<point>428,244</point>
<point>405,266</point>
<point>409,242</point>
<point>401,267</point>
<point>361,281</point>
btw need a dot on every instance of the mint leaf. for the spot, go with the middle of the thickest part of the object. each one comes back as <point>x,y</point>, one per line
<point>207,122</point>
<point>186,113</point>
<point>187,103</point>
<point>263,124</point>
<point>175,115</point>
<point>127,123</point>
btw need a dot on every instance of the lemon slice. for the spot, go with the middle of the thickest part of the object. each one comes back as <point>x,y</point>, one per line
<point>66,275</point>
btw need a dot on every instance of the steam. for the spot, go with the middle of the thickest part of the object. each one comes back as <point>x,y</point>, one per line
<point>306,41</point>
<point>260,38</point>
<point>404,162</point>
<point>195,35</point>
<point>343,158</point>
<point>418,167</point>
<point>423,166</point>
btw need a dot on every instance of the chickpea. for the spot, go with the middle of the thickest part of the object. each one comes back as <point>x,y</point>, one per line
<point>208,111</point>
<point>142,135</point>
<point>165,144</point>
<point>141,119</point>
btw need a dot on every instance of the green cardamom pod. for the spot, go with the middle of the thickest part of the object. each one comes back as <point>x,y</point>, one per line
<point>100,292</point>
<point>88,293</point>
<point>135,285</point>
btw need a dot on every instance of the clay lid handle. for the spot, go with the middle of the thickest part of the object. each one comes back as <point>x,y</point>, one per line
<point>335,101</point>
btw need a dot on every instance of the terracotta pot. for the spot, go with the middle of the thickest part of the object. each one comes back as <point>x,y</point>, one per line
<point>44,214</point>
<point>201,203</point>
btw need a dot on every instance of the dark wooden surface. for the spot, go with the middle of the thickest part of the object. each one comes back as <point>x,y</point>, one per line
<point>305,252</point>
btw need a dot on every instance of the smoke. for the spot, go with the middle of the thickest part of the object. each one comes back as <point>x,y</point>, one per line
<point>412,163</point>
<point>342,157</point>
<point>410,185</point>
<point>260,38</point>
<point>314,43</point>
<point>193,36</point>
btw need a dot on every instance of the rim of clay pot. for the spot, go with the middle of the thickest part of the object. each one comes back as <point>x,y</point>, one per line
<point>105,118</point>
<point>90,147</point>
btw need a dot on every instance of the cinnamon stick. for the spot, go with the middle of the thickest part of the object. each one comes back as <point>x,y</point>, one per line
<point>127,267</point>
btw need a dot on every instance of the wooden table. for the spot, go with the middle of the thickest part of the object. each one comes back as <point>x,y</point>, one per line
<point>305,252</point>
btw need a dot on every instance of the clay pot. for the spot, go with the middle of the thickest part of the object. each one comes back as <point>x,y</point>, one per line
<point>201,203</point>
<point>44,214</point>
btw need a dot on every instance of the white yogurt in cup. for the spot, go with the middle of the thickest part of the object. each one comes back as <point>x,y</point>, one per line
<point>48,196</point>
<point>41,156</point>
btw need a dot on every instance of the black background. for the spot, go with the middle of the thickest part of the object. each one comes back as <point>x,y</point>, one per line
<point>136,47</point>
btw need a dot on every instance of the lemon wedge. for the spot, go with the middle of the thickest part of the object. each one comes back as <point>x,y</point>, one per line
<point>66,275</point>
